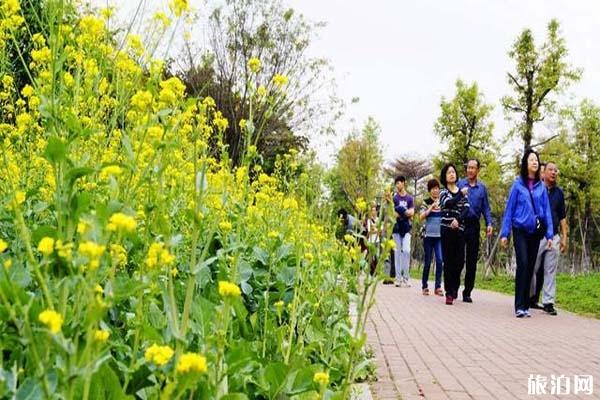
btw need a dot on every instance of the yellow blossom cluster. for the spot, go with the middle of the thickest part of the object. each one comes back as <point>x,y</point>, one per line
<point>52,320</point>
<point>159,256</point>
<point>159,355</point>
<point>191,362</point>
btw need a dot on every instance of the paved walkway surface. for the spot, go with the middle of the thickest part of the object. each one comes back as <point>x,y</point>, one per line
<point>428,350</point>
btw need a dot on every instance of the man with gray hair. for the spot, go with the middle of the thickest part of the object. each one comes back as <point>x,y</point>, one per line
<point>547,258</point>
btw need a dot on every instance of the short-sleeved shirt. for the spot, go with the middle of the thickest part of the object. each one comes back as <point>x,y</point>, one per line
<point>402,222</point>
<point>557,206</point>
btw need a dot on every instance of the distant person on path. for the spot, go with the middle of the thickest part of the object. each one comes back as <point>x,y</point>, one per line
<point>373,235</point>
<point>479,205</point>
<point>529,217</point>
<point>349,223</point>
<point>404,208</point>
<point>547,257</point>
<point>431,216</point>
<point>455,208</point>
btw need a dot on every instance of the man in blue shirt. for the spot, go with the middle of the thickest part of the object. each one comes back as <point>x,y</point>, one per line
<point>480,205</point>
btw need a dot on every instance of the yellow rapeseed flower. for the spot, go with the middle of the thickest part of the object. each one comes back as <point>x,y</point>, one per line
<point>19,197</point>
<point>179,7</point>
<point>101,335</point>
<point>361,205</point>
<point>7,263</point>
<point>27,91</point>
<point>158,256</point>
<point>159,355</point>
<point>191,362</point>
<point>114,170</point>
<point>254,64</point>
<point>280,80</point>
<point>93,252</point>
<point>261,91</point>
<point>322,378</point>
<point>3,246</point>
<point>46,246</point>
<point>228,289</point>
<point>390,244</point>
<point>121,222</point>
<point>51,319</point>
<point>225,226</point>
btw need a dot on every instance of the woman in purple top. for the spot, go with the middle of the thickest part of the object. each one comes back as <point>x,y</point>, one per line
<point>527,208</point>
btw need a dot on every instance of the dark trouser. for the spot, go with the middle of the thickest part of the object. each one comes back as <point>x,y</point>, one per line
<point>539,284</point>
<point>472,255</point>
<point>526,249</point>
<point>453,253</point>
<point>432,245</point>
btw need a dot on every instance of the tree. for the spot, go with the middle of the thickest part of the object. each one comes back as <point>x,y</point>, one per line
<point>413,169</point>
<point>577,154</point>
<point>465,125</point>
<point>279,38</point>
<point>539,72</point>
<point>357,172</point>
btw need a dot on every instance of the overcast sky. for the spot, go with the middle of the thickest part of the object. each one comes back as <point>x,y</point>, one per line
<point>400,57</point>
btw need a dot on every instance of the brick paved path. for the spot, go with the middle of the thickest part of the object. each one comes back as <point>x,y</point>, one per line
<point>425,349</point>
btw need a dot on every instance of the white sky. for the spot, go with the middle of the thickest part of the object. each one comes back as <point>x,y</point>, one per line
<point>400,57</point>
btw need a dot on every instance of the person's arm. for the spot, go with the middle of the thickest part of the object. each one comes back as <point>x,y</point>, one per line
<point>564,226</point>
<point>410,209</point>
<point>548,216</point>
<point>465,211</point>
<point>508,212</point>
<point>449,201</point>
<point>400,211</point>
<point>487,212</point>
<point>425,211</point>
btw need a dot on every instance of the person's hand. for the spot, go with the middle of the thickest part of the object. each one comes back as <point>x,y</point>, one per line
<point>549,244</point>
<point>465,191</point>
<point>387,196</point>
<point>489,230</point>
<point>504,242</point>
<point>564,245</point>
<point>454,224</point>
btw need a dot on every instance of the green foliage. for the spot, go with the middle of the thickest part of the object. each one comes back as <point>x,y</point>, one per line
<point>279,37</point>
<point>577,154</point>
<point>357,172</point>
<point>539,73</point>
<point>465,126</point>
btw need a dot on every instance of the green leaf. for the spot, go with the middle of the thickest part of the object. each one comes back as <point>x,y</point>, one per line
<point>234,396</point>
<point>106,385</point>
<point>75,173</point>
<point>30,390</point>
<point>274,377</point>
<point>156,316</point>
<point>261,255</point>
<point>203,264</point>
<point>41,232</point>
<point>56,150</point>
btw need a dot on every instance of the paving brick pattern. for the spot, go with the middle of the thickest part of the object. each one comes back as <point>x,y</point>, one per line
<point>428,350</point>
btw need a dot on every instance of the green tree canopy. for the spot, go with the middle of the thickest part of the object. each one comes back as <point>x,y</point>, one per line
<point>539,72</point>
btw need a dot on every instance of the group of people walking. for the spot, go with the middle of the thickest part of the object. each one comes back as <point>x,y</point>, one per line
<point>535,215</point>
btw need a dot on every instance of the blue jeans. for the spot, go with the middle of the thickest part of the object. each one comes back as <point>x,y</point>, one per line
<point>432,245</point>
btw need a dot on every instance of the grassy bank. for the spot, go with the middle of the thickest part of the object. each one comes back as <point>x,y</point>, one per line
<point>579,294</point>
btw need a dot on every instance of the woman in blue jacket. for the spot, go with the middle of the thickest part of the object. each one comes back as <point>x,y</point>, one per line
<point>527,212</point>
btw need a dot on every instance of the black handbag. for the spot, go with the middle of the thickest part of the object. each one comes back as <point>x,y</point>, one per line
<point>540,224</point>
